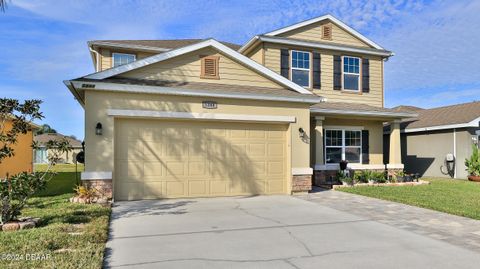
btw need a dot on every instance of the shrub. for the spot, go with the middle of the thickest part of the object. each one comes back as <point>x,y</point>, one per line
<point>344,178</point>
<point>362,176</point>
<point>473,163</point>
<point>84,192</point>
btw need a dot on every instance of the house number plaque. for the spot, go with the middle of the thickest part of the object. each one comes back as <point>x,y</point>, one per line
<point>209,104</point>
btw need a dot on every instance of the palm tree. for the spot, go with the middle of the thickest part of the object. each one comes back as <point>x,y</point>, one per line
<point>3,5</point>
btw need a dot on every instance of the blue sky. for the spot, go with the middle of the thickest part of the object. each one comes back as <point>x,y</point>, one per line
<point>43,42</point>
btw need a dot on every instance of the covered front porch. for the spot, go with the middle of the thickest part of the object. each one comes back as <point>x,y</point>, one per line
<point>353,133</point>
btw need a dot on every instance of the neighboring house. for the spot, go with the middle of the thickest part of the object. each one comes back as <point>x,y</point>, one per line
<point>41,154</point>
<point>189,118</point>
<point>22,161</point>
<point>436,133</point>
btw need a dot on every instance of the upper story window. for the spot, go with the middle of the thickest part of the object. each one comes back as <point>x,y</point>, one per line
<point>122,58</point>
<point>343,145</point>
<point>301,68</point>
<point>351,73</point>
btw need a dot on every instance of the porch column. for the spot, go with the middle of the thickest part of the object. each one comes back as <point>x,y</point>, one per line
<point>319,140</point>
<point>395,156</point>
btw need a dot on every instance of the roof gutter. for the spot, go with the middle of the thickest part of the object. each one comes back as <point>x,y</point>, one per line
<point>74,91</point>
<point>474,123</point>
<point>286,41</point>
<point>394,115</point>
<point>127,46</point>
<point>117,87</point>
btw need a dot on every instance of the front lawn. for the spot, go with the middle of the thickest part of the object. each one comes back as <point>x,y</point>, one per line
<point>458,197</point>
<point>69,236</point>
<point>59,167</point>
<point>61,183</point>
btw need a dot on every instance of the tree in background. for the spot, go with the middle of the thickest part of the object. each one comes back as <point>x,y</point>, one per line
<point>45,129</point>
<point>16,189</point>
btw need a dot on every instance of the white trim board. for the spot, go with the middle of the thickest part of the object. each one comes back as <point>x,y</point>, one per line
<point>98,175</point>
<point>117,87</point>
<point>473,123</point>
<point>336,166</point>
<point>317,45</point>
<point>194,47</point>
<point>362,113</point>
<point>298,171</point>
<point>321,18</point>
<point>125,113</point>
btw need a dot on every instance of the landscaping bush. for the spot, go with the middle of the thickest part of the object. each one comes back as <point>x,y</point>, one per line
<point>364,176</point>
<point>473,163</point>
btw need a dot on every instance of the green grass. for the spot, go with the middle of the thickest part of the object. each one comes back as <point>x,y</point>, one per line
<point>61,167</point>
<point>458,197</point>
<point>61,183</point>
<point>60,218</point>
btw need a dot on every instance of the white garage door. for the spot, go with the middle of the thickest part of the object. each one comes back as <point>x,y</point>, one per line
<point>172,159</point>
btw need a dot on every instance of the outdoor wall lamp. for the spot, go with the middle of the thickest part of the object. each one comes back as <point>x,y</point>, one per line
<point>302,132</point>
<point>98,129</point>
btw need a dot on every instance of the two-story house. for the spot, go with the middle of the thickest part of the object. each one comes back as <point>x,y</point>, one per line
<point>198,118</point>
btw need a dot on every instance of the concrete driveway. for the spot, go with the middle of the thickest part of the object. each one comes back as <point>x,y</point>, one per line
<point>266,232</point>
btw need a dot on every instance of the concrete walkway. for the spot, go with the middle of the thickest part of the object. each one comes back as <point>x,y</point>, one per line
<point>460,231</point>
<point>268,232</point>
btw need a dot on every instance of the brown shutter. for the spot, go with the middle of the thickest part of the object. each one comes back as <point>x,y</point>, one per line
<point>209,67</point>
<point>365,147</point>
<point>284,62</point>
<point>316,71</point>
<point>365,75</point>
<point>337,72</point>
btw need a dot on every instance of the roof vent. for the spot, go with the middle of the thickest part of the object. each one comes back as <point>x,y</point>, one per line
<point>327,32</point>
<point>209,67</point>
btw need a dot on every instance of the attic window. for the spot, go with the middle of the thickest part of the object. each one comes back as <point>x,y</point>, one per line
<point>209,67</point>
<point>327,32</point>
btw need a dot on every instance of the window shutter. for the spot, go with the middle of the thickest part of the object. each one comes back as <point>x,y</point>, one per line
<point>284,62</point>
<point>365,147</point>
<point>209,67</point>
<point>337,72</point>
<point>316,71</point>
<point>365,75</point>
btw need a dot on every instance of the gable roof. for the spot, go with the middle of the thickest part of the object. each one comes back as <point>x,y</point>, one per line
<point>154,45</point>
<point>332,19</point>
<point>447,117</point>
<point>44,138</point>
<point>249,63</point>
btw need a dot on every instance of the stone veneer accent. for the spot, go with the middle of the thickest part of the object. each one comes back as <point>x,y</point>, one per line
<point>103,187</point>
<point>301,183</point>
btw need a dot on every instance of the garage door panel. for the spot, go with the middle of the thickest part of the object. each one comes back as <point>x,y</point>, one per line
<point>154,168</point>
<point>175,169</point>
<point>153,150</point>
<point>169,159</point>
<point>175,189</point>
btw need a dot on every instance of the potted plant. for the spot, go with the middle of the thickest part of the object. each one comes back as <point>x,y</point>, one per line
<point>473,165</point>
<point>343,165</point>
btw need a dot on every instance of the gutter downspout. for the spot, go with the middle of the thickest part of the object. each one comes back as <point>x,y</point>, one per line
<point>97,58</point>
<point>455,152</point>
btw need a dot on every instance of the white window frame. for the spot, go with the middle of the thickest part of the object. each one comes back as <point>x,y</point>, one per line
<point>303,69</point>
<point>119,53</point>
<point>359,74</point>
<point>343,146</point>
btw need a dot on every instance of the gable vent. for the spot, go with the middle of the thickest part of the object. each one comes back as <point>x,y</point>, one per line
<point>327,32</point>
<point>210,67</point>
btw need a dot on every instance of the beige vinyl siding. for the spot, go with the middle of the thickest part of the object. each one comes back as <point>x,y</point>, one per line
<point>187,68</point>
<point>257,55</point>
<point>106,56</point>
<point>313,32</point>
<point>374,97</point>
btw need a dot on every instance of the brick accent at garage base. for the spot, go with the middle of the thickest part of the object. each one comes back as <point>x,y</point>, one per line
<point>103,187</point>
<point>301,183</point>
